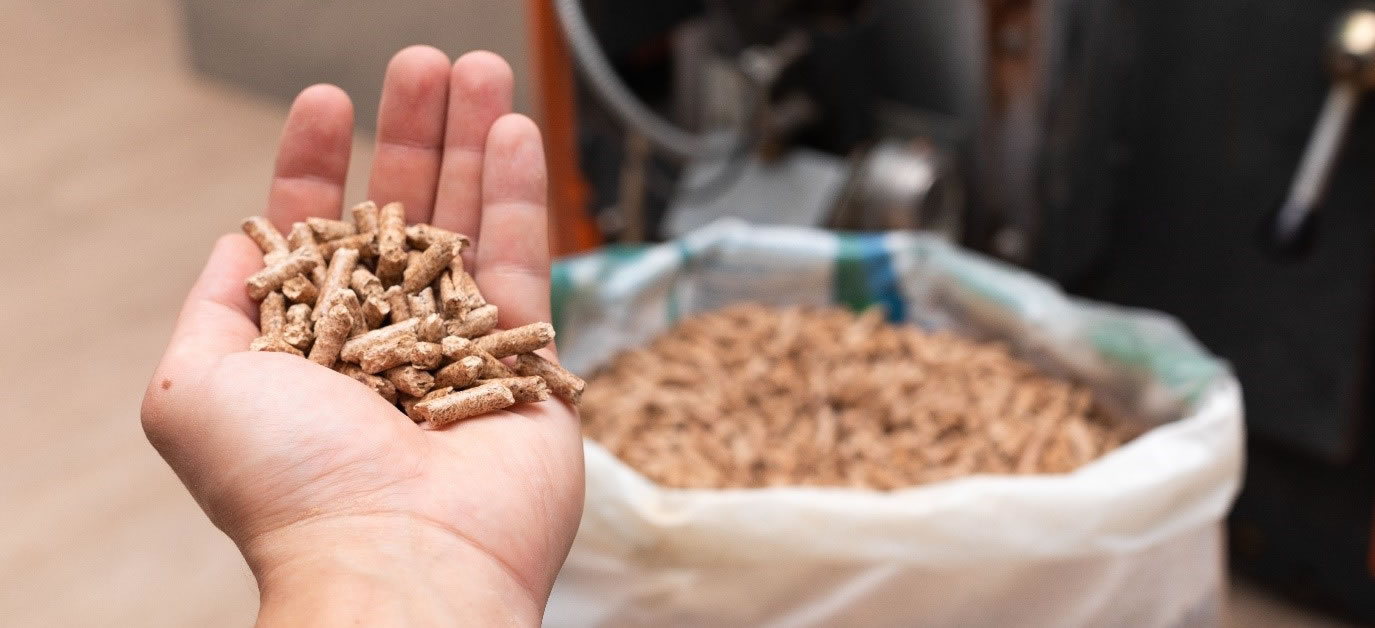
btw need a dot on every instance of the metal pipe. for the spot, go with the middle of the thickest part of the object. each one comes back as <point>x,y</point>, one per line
<point>623,103</point>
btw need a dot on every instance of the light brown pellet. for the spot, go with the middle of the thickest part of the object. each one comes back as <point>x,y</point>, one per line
<point>465,286</point>
<point>377,383</point>
<point>427,267</point>
<point>456,348</point>
<point>299,289</point>
<point>337,277</point>
<point>523,389</point>
<point>391,243</point>
<point>431,328</point>
<point>426,355</point>
<point>297,332</point>
<point>349,299</point>
<point>271,323</point>
<point>492,368</point>
<point>459,374</point>
<point>450,302</point>
<point>342,290</point>
<point>464,404</point>
<point>422,304</point>
<point>365,283</point>
<point>408,402</point>
<point>299,236</point>
<point>399,302</point>
<point>302,240</point>
<point>564,385</point>
<point>274,246</point>
<point>271,278</point>
<point>273,344</point>
<point>355,347</point>
<point>523,339</point>
<point>375,310</point>
<point>389,354</point>
<point>327,229</point>
<point>475,323</point>
<point>369,289</point>
<point>330,332</point>
<point>365,216</point>
<point>423,236</point>
<point>364,243</point>
<point>410,380</point>
<point>272,314</point>
<point>751,396</point>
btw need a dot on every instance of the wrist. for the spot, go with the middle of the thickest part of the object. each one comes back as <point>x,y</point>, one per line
<point>383,570</point>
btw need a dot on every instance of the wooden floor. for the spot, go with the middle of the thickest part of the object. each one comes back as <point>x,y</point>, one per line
<point>119,168</point>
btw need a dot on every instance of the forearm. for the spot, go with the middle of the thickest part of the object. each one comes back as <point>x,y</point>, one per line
<point>338,573</point>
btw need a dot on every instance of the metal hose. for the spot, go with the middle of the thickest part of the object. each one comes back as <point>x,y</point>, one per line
<point>623,103</point>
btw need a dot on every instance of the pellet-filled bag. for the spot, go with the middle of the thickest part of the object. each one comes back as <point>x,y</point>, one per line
<point>1131,538</point>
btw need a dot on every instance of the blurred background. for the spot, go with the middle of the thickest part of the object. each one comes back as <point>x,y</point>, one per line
<point>1211,160</point>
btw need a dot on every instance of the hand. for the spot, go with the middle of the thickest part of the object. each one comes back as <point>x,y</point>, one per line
<point>335,498</point>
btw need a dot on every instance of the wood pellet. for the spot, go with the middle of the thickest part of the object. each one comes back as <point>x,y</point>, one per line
<point>363,302</point>
<point>751,396</point>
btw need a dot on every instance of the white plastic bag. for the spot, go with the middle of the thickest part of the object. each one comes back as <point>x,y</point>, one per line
<point>1133,539</point>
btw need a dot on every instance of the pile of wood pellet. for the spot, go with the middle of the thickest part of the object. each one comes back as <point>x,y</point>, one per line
<point>752,396</point>
<point>395,309</point>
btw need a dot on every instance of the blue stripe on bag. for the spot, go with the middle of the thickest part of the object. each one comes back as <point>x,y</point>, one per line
<point>674,307</point>
<point>864,275</point>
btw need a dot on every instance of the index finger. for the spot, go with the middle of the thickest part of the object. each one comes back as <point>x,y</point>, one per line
<point>312,158</point>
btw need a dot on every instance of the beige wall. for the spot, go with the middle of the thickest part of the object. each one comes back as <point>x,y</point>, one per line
<point>279,46</point>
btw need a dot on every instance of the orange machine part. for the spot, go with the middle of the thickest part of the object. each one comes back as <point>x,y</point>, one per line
<point>571,230</point>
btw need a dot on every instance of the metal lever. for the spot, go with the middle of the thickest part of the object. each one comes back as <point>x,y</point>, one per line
<point>1351,60</point>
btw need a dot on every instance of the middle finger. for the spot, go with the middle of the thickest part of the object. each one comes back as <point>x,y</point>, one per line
<point>480,89</point>
<point>410,131</point>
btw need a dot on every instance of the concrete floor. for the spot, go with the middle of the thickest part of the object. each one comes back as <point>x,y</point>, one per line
<point>120,168</point>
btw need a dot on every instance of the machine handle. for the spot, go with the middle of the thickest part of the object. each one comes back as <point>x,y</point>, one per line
<point>1351,60</point>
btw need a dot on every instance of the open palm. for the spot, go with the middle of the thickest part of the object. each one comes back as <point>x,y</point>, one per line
<point>273,446</point>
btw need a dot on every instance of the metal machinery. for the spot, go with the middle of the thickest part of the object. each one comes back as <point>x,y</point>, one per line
<point>1172,154</point>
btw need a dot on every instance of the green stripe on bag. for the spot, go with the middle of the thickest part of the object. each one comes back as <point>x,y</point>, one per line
<point>560,291</point>
<point>607,260</point>
<point>864,275</point>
